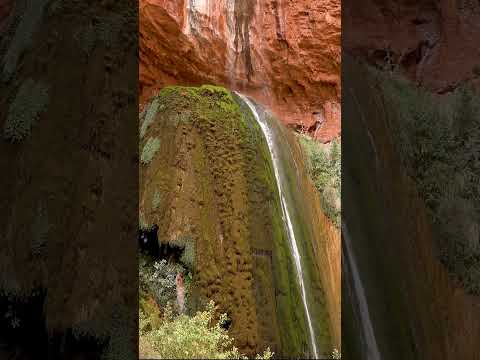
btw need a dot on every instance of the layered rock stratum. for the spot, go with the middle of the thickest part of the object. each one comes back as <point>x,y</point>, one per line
<point>286,55</point>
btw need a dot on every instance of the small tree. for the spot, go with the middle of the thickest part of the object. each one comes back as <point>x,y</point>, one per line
<point>185,337</point>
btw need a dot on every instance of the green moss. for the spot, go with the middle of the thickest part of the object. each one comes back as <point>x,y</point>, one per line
<point>212,143</point>
<point>324,167</point>
<point>289,308</point>
<point>316,297</point>
<point>149,149</point>
<point>188,255</point>
<point>31,100</point>
<point>156,200</point>
<point>150,113</point>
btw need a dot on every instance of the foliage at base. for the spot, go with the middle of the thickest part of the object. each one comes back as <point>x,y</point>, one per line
<point>324,167</point>
<point>185,337</point>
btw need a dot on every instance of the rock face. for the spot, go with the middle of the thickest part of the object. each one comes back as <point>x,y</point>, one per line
<point>207,182</point>
<point>436,42</point>
<point>419,311</point>
<point>286,55</point>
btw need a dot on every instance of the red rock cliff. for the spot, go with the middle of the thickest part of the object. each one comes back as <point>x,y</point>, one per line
<point>436,42</point>
<point>284,54</point>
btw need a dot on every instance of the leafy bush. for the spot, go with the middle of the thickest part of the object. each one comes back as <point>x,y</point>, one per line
<point>32,98</point>
<point>336,354</point>
<point>164,334</point>
<point>438,141</point>
<point>324,167</point>
<point>149,150</point>
<point>185,337</point>
<point>158,279</point>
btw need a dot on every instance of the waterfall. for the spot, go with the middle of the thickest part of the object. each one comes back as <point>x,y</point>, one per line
<point>277,166</point>
<point>368,335</point>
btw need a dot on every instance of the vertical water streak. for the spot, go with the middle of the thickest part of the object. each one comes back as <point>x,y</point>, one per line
<point>187,11</point>
<point>230,41</point>
<point>371,352</point>
<point>269,137</point>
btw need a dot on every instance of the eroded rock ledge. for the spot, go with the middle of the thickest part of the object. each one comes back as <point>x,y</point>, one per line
<point>284,54</point>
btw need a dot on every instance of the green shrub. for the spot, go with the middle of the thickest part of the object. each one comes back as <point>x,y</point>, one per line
<point>149,150</point>
<point>185,337</point>
<point>31,100</point>
<point>438,141</point>
<point>158,280</point>
<point>336,354</point>
<point>324,167</point>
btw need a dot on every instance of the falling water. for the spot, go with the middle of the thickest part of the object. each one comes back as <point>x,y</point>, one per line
<point>286,214</point>
<point>371,351</point>
<point>230,32</point>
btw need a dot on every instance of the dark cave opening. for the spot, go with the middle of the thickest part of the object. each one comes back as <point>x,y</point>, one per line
<point>227,323</point>
<point>148,242</point>
<point>150,246</point>
<point>171,253</point>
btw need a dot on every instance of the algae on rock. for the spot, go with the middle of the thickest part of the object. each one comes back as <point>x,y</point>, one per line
<point>214,176</point>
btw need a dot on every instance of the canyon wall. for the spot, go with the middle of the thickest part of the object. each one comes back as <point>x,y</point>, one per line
<point>286,55</point>
<point>417,308</point>
<point>326,242</point>
<point>435,42</point>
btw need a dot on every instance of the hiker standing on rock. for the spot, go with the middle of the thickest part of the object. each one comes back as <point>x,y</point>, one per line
<point>180,292</point>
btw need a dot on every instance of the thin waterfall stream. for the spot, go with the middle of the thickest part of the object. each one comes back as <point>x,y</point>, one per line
<point>371,351</point>
<point>277,166</point>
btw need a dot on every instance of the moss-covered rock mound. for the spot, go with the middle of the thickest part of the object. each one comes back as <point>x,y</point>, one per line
<point>206,181</point>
